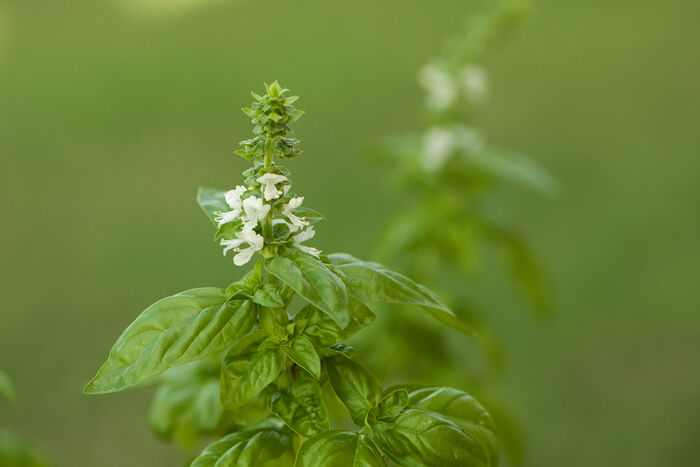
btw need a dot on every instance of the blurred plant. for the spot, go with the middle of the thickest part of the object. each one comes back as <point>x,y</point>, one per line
<point>15,452</point>
<point>451,170</point>
<point>258,363</point>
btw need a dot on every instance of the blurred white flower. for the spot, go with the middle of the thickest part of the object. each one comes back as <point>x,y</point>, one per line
<point>441,91</point>
<point>269,182</point>
<point>304,236</point>
<point>468,138</point>
<point>297,222</point>
<point>438,144</point>
<point>475,83</point>
<point>233,197</point>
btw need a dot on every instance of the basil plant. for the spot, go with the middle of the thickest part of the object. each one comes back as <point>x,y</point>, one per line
<point>454,175</point>
<point>261,364</point>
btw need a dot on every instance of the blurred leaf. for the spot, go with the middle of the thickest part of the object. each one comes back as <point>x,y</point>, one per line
<point>371,282</point>
<point>176,330</point>
<point>516,168</point>
<point>525,268</point>
<point>7,388</point>
<point>339,449</point>
<point>313,281</point>
<point>301,407</point>
<point>212,201</point>
<point>252,447</point>
<point>15,452</point>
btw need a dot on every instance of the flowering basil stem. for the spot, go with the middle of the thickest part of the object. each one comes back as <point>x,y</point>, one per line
<point>453,172</point>
<point>253,366</point>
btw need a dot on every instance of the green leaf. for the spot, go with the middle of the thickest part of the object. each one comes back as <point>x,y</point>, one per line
<point>212,201</point>
<point>325,332</point>
<point>372,282</point>
<point>466,412</point>
<point>392,404</point>
<point>246,286</point>
<point>339,449</point>
<point>176,330</point>
<point>358,389</point>
<point>301,407</point>
<point>253,447</point>
<point>6,387</point>
<point>310,215</point>
<point>269,295</point>
<point>274,321</point>
<point>313,281</point>
<point>246,371</point>
<point>302,352</point>
<point>420,438</point>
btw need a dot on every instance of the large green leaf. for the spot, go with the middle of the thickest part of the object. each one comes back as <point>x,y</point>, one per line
<point>254,447</point>
<point>466,412</point>
<point>313,281</point>
<point>246,371</point>
<point>358,389</point>
<point>301,407</point>
<point>6,387</point>
<point>339,449</point>
<point>212,201</point>
<point>419,438</point>
<point>302,352</point>
<point>372,282</point>
<point>176,330</point>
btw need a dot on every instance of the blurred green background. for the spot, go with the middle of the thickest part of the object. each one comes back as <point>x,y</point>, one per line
<point>113,112</point>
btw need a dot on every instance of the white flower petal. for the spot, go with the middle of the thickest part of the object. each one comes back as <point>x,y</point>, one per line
<point>268,182</point>
<point>226,217</point>
<point>297,222</point>
<point>304,235</point>
<point>233,197</point>
<point>309,250</point>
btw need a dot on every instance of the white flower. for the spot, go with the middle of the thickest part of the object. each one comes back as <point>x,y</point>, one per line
<point>268,181</point>
<point>255,210</point>
<point>304,236</point>
<point>233,197</point>
<point>439,86</point>
<point>226,217</point>
<point>475,83</point>
<point>438,144</point>
<point>297,222</point>
<point>255,243</point>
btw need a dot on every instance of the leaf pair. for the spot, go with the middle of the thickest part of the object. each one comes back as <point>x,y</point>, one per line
<point>436,427</point>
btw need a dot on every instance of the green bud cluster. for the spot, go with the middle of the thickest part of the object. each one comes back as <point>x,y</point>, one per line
<point>271,115</point>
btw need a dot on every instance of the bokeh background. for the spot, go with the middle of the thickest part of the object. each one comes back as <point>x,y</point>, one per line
<point>113,112</point>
